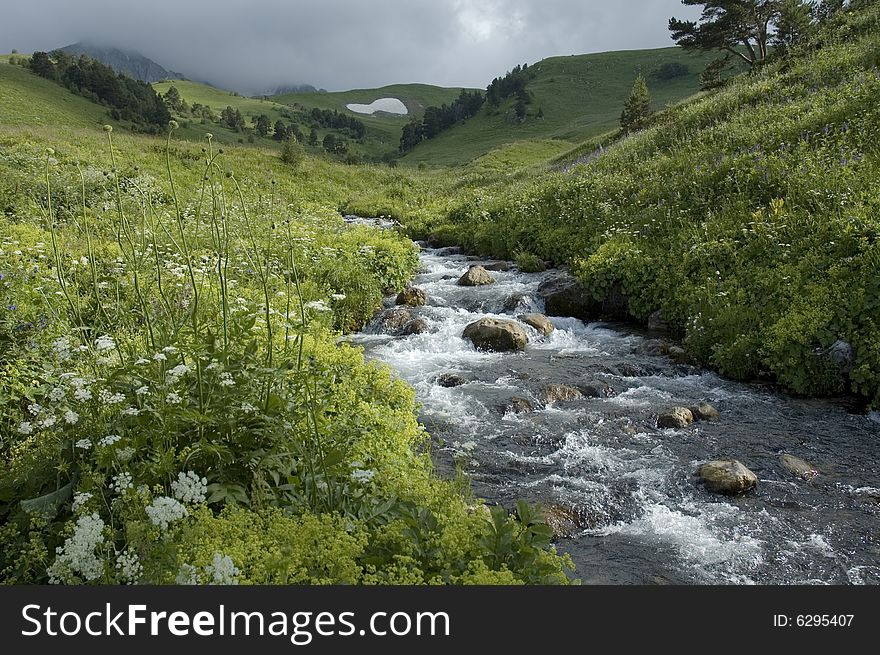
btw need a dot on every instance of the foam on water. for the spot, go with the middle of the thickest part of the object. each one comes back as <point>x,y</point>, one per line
<point>605,459</point>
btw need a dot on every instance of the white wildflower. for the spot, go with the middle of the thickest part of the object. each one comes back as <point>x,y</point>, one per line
<point>25,427</point>
<point>171,350</point>
<point>190,488</point>
<point>177,372</point>
<point>360,475</point>
<point>85,444</point>
<point>338,296</point>
<point>129,566</point>
<point>57,394</point>
<point>173,398</point>
<point>124,454</point>
<point>318,306</point>
<point>80,499</point>
<point>71,417</point>
<point>82,395</point>
<point>61,347</point>
<point>48,421</point>
<point>109,440</point>
<point>222,570</point>
<point>121,482</point>
<point>160,357</point>
<point>247,408</point>
<point>77,557</point>
<point>213,365</point>
<point>35,409</point>
<point>226,380</point>
<point>187,575</point>
<point>131,411</point>
<point>141,361</point>
<point>104,343</point>
<point>142,391</point>
<point>163,511</point>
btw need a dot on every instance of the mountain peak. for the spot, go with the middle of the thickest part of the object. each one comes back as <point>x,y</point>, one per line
<point>128,62</point>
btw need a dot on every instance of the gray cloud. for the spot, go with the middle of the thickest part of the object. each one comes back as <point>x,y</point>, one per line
<point>342,44</point>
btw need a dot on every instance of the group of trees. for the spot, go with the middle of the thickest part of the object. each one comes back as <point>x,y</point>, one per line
<point>334,120</point>
<point>437,119</point>
<point>512,84</point>
<point>128,99</point>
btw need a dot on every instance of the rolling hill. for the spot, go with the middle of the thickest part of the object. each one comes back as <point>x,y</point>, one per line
<point>383,130</point>
<point>580,97</point>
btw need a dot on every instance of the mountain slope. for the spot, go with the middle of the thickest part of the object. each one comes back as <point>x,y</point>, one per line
<point>130,63</point>
<point>580,96</point>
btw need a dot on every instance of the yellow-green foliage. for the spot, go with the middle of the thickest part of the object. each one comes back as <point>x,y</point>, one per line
<point>173,387</point>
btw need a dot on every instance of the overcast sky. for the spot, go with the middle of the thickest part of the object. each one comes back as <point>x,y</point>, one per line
<point>255,45</point>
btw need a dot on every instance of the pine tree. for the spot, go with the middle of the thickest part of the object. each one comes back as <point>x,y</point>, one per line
<point>637,109</point>
<point>280,132</point>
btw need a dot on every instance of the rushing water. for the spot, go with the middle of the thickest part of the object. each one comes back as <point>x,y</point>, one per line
<point>641,517</point>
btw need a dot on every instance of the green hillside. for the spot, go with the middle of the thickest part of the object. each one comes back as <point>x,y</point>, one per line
<point>747,216</point>
<point>580,97</point>
<point>27,99</point>
<point>383,130</point>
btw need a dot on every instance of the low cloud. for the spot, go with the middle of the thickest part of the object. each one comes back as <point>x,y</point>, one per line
<point>342,44</point>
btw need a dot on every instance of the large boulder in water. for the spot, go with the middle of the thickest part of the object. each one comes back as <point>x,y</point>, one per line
<point>518,405</point>
<point>557,393</point>
<point>496,335</point>
<point>799,467</point>
<point>597,389</point>
<point>477,276</point>
<point>451,380</point>
<point>540,322</point>
<point>501,267</point>
<point>415,326</point>
<point>727,476</point>
<point>564,296</point>
<point>677,417</point>
<point>412,297</point>
<point>394,320</point>
<point>704,412</point>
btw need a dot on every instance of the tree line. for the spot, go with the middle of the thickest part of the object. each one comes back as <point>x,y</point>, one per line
<point>128,99</point>
<point>438,119</point>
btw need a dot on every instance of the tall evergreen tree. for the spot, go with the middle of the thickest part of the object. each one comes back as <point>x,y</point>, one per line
<point>637,108</point>
<point>280,131</point>
<point>261,125</point>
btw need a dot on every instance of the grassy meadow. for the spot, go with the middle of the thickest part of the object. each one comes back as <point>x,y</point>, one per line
<point>178,408</point>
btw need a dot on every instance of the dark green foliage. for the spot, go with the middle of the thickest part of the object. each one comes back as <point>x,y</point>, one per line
<point>175,102</point>
<point>513,83</point>
<point>334,145</point>
<point>128,99</point>
<point>261,125</point>
<point>336,121</point>
<point>313,137</point>
<point>793,24</point>
<point>670,70</point>
<point>712,77</point>
<point>439,119</point>
<point>637,109</point>
<point>741,27</point>
<point>232,119</point>
<point>280,131</point>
